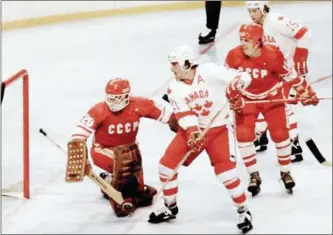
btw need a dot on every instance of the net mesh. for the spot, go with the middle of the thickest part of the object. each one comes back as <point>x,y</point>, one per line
<point>12,139</point>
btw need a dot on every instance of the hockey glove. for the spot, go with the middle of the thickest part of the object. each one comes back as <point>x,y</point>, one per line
<point>193,141</point>
<point>235,98</point>
<point>306,94</point>
<point>173,123</point>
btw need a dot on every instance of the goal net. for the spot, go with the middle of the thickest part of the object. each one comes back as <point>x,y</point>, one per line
<point>15,135</point>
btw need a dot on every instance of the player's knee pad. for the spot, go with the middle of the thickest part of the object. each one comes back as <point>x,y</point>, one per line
<point>245,134</point>
<point>279,135</point>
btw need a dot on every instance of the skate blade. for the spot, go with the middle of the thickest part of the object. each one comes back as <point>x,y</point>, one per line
<point>161,221</point>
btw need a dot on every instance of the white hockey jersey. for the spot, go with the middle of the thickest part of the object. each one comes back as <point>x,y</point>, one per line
<point>197,103</point>
<point>287,34</point>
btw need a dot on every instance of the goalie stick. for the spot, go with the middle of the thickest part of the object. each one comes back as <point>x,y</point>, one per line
<point>316,153</point>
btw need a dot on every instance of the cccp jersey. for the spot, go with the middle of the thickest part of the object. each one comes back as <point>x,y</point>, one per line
<point>117,128</point>
<point>267,70</point>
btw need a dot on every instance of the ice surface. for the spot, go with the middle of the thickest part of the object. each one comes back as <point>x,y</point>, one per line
<point>69,65</point>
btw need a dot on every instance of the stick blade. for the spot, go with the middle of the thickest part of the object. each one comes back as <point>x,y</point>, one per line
<point>316,153</point>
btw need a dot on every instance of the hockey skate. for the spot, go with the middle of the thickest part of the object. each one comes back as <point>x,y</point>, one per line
<point>245,219</point>
<point>254,185</point>
<point>288,181</point>
<point>261,142</point>
<point>296,151</point>
<point>166,213</point>
<point>207,37</point>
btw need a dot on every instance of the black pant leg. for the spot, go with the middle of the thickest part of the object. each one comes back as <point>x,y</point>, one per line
<point>213,9</point>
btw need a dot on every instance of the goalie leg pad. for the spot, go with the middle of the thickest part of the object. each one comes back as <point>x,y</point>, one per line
<point>145,197</point>
<point>127,163</point>
<point>127,176</point>
<point>76,160</point>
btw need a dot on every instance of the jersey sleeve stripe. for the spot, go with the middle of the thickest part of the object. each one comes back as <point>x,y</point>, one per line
<point>87,129</point>
<point>300,33</point>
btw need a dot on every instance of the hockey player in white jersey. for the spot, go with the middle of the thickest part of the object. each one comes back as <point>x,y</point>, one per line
<point>293,39</point>
<point>196,94</point>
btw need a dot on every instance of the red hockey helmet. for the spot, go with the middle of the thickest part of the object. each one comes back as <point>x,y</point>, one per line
<point>117,94</point>
<point>252,31</point>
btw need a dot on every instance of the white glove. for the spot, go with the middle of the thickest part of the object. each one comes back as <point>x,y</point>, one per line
<point>244,80</point>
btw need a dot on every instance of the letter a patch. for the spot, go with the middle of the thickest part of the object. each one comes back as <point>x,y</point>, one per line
<point>200,79</point>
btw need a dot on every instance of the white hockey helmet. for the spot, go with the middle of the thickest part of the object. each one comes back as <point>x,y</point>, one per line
<point>180,54</point>
<point>256,4</point>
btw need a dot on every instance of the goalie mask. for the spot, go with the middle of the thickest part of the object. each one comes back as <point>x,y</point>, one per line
<point>117,94</point>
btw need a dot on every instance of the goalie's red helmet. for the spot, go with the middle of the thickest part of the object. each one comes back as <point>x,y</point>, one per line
<point>117,94</point>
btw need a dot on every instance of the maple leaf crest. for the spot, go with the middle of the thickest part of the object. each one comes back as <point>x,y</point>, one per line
<point>208,104</point>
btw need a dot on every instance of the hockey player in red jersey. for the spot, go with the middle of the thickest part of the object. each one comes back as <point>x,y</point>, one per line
<point>294,40</point>
<point>196,95</point>
<point>267,67</point>
<point>115,124</point>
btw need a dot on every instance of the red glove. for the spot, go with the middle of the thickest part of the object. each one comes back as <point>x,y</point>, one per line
<point>235,98</point>
<point>300,60</point>
<point>193,141</point>
<point>306,94</point>
<point>173,123</point>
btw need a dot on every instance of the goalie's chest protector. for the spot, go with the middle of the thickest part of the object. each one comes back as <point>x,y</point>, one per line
<point>119,128</point>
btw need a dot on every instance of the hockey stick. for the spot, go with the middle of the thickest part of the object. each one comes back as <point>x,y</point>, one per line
<point>316,153</point>
<point>101,183</point>
<point>320,79</point>
<point>202,134</point>
<point>287,100</point>
<point>281,100</point>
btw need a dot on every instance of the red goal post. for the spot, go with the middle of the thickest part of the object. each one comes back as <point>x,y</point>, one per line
<point>22,74</point>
